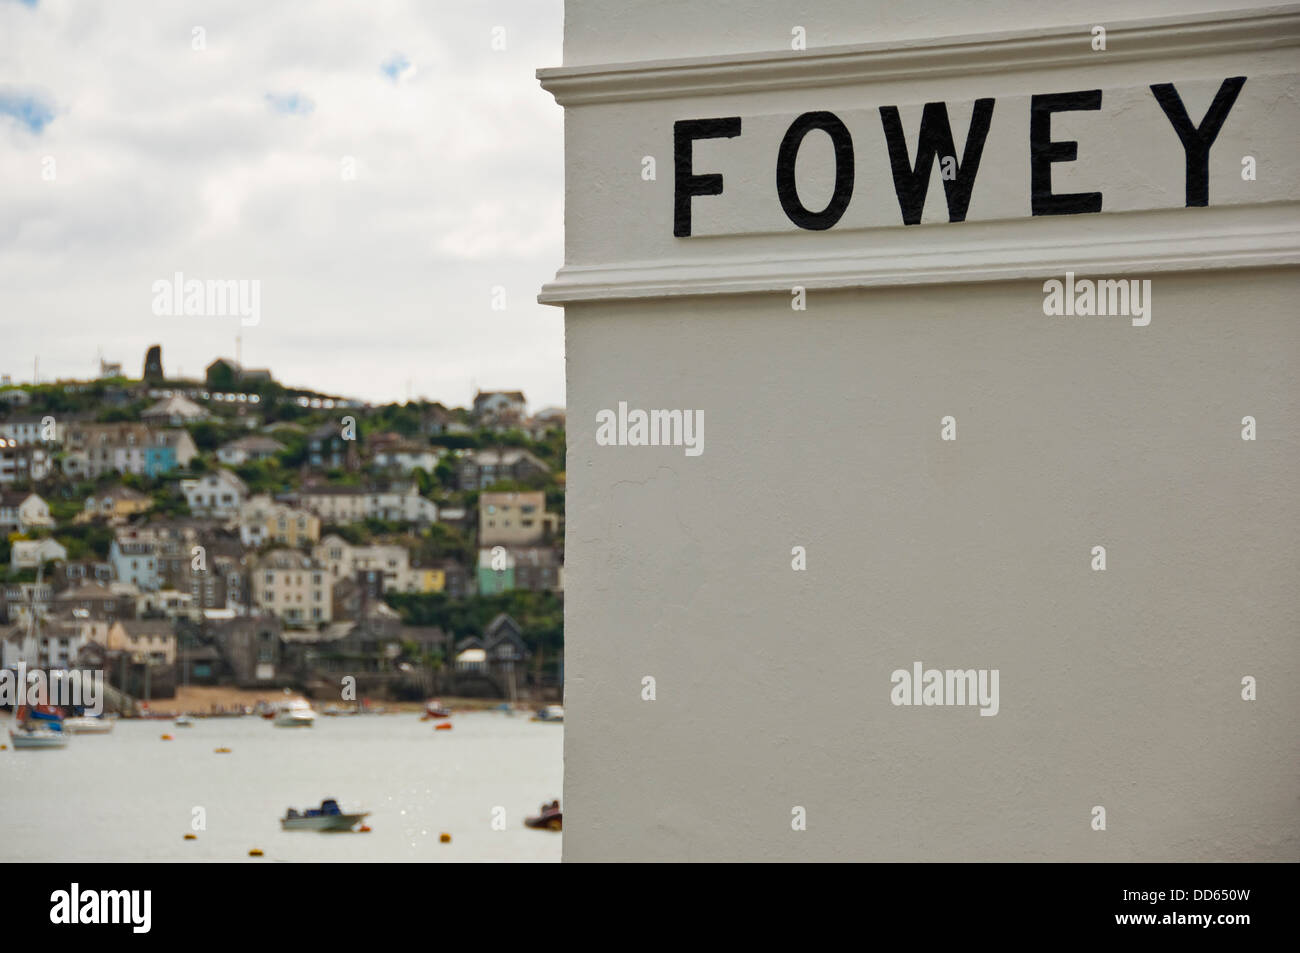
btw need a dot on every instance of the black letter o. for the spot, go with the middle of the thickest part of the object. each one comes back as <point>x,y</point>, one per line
<point>785,186</point>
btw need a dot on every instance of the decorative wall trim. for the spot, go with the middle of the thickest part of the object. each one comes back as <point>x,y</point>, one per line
<point>1256,30</point>
<point>1134,244</point>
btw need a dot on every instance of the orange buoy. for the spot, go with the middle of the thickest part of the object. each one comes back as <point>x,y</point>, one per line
<point>191,836</point>
<point>255,852</point>
<point>364,829</point>
<point>445,838</point>
<point>442,726</point>
<point>166,737</point>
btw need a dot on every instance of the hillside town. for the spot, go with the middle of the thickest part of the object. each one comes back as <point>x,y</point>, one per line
<point>233,531</point>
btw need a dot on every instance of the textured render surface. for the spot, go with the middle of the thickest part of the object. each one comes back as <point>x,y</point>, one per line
<point>1118,688</point>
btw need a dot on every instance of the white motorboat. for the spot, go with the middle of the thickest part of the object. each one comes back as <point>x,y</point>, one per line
<point>553,713</point>
<point>88,725</point>
<point>184,721</point>
<point>294,714</point>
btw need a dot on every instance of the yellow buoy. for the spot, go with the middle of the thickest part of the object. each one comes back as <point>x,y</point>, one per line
<point>445,838</point>
<point>222,750</point>
<point>191,836</point>
<point>255,852</point>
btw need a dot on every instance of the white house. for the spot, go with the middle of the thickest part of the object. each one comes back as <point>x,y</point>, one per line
<point>493,405</point>
<point>218,494</point>
<point>350,504</point>
<point>409,456</point>
<point>263,520</point>
<point>16,397</point>
<point>34,430</point>
<point>176,411</point>
<point>343,561</point>
<point>22,463</point>
<point>244,449</point>
<point>30,553</point>
<point>21,511</point>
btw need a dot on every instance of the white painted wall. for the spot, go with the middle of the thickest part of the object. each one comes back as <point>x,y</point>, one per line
<point>1119,688</point>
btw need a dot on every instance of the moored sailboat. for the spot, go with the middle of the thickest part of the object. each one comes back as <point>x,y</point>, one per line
<point>38,730</point>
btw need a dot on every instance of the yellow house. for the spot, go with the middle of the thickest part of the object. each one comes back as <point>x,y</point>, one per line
<point>154,639</point>
<point>262,520</point>
<point>115,503</point>
<point>426,580</point>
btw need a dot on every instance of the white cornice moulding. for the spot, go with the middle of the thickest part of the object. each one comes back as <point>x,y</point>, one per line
<point>1255,30</point>
<point>1132,244</point>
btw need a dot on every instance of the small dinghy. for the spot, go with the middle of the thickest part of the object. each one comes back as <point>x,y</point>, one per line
<point>327,817</point>
<point>435,709</point>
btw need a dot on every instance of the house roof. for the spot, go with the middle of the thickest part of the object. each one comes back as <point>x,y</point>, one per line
<point>512,394</point>
<point>406,446</point>
<point>119,493</point>
<point>225,476</point>
<point>325,431</point>
<point>424,634</point>
<point>139,627</point>
<point>501,624</point>
<point>333,490</point>
<point>507,456</point>
<point>285,559</point>
<point>255,444</point>
<point>178,405</point>
<point>86,589</point>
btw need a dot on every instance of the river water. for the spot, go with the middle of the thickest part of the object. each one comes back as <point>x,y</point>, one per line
<point>130,796</point>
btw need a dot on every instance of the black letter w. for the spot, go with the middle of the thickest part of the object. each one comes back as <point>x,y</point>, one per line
<point>910,182</point>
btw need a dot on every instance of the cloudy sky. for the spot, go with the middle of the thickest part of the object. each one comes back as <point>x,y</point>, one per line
<point>128,155</point>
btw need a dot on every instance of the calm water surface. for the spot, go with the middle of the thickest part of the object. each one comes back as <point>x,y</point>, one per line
<point>130,796</point>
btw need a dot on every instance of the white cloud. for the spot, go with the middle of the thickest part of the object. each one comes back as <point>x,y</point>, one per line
<point>225,163</point>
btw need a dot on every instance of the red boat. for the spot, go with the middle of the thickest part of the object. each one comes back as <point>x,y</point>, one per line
<point>551,818</point>
<point>435,709</point>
